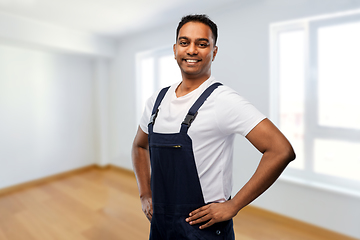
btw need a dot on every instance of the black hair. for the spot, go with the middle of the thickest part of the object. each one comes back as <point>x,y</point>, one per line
<point>202,18</point>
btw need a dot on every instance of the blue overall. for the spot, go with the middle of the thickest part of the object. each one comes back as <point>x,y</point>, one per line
<point>175,185</point>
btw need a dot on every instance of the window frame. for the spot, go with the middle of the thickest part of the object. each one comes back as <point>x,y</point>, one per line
<point>156,54</point>
<point>312,129</point>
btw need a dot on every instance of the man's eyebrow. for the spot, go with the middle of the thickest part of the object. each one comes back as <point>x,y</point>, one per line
<point>185,38</point>
<point>203,39</point>
<point>198,39</point>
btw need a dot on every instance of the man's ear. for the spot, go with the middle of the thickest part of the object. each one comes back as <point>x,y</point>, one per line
<point>215,52</point>
<point>174,49</point>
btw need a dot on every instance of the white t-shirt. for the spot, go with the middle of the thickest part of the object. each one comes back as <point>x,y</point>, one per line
<point>222,115</point>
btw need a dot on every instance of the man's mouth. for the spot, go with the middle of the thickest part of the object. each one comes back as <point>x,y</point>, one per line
<point>192,60</point>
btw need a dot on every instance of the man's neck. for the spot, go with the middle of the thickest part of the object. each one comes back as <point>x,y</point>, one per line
<point>188,85</point>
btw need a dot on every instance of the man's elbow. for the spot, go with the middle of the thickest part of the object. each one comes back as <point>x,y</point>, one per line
<point>289,154</point>
<point>285,153</point>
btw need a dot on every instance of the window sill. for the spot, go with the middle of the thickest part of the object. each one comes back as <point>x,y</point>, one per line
<point>319,186</point>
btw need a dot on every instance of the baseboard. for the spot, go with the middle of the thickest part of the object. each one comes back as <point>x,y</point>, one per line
<point>43,180</point>
<point>122,170</point>
<point>282,219</point>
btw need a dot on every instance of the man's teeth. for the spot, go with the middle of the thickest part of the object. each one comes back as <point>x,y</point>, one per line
<point>191,61</point>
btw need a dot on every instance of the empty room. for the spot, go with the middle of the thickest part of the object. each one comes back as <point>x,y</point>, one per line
<point>82,115</point>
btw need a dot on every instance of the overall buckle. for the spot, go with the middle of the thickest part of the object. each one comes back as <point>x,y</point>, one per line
<point>189,119</point>
<point>153,117</point>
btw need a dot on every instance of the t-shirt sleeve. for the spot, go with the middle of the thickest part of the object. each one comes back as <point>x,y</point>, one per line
<point>145,118</point>
<point>234,114</point>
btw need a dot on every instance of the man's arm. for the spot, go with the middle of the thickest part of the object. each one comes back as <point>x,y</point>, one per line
<point>141,164</point>
<point>277,153</point>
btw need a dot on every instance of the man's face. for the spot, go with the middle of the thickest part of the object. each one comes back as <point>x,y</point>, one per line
<point>194,50</point>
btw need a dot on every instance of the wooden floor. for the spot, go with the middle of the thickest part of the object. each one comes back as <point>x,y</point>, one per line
<point>103,205</point>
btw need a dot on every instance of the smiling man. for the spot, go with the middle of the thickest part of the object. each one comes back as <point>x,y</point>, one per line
<point>183,150</point>
<point>194,51</point>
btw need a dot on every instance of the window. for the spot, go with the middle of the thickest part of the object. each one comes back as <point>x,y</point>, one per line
<point>315,77</point>
<point>155,69</point>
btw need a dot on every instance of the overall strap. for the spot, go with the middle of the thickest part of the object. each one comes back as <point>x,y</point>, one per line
<point>195,107</point>
<point>155,110</point>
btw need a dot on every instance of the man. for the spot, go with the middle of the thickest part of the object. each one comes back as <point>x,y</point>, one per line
<point>188,142</point>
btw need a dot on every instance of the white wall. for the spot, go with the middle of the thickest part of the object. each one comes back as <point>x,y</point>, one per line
<point>243,64</point>
<point>53,99</point>
<point>47,112</point>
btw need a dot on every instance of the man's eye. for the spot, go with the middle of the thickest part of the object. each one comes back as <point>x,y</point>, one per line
<point>183,43</point>
<point>203,44</point>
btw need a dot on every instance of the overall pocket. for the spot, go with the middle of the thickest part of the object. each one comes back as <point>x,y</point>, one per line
<point>174,146</point>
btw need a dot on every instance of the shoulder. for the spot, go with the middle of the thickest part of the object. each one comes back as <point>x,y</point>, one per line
<point>149,105</point>
<point>152,99</point>
<point>225,94</point>
<point>234,113</point>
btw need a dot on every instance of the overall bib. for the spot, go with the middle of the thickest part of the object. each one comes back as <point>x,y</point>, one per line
<point>175,185</point>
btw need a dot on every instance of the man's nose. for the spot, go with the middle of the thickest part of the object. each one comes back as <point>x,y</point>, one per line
<point>192,49</point>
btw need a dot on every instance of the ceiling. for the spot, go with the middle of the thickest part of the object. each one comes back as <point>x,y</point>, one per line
<point>113,18</point>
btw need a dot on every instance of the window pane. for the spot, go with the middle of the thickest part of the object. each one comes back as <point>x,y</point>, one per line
<point>169,71</point>
<point>337,158</point>
<point>339,75</point>
<point>147,80</point>
<point>291,82</point>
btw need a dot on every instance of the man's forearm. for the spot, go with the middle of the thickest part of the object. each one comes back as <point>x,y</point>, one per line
<point>277,153</point>
<point>269,169</point>
<point>141,165</point>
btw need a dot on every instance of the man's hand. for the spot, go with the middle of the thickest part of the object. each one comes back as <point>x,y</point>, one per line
<point>146,204</point>
<point>212,213</point>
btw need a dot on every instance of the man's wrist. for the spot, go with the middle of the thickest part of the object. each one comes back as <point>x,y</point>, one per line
<point>145,195</point>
